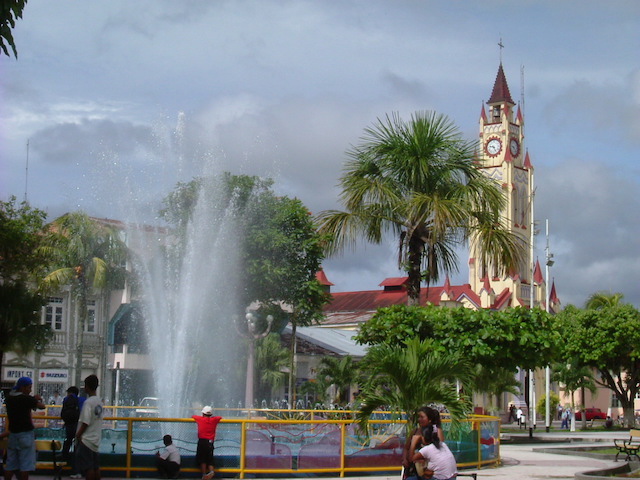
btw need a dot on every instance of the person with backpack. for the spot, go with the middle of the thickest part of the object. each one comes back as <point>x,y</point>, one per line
<point>70,413</point>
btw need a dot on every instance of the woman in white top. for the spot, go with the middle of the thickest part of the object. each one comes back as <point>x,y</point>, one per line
<point>441,462</point>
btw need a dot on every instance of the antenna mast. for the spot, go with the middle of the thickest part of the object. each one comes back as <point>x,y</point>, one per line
<point>522,100</point>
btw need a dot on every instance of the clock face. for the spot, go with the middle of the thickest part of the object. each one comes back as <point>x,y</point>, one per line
<point>493,147</point>
<point>514,146</point>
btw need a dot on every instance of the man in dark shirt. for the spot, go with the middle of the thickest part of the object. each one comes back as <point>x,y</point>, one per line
<point>21,450</point>
<point>70,414</point>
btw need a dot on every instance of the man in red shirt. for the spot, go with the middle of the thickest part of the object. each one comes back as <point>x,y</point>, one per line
<point>207,425</point>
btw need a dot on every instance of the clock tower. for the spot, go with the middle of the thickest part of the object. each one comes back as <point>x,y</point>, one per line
<point>502,157</point>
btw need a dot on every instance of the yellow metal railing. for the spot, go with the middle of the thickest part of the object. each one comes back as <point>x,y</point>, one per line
<point>337,440</point>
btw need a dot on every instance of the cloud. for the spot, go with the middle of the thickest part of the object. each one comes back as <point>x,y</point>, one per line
<point>594,229</point>
<point>606,109</point>
<point>77,142</point>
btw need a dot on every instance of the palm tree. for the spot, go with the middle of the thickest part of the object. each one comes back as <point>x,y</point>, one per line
<point>495,381</point>
<point>339,372</point>
<point>271,360</point>
<point>88,255</point>
<point>403,378</point>
<point>600,300</point>
<point>575,376</point>
<point>418,180</point>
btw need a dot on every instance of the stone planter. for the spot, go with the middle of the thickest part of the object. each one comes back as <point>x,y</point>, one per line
<point>620,471</point>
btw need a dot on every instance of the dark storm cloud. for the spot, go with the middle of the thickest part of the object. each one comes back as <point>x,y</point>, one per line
<point>596,245</point>
<point>612,109</point>
<point>410,88</point>
<point>78,142</point>
<point>282,88</point>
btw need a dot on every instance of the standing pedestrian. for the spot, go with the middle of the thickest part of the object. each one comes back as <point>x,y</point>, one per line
<point>566,414</point>
<point>70,414</point>
<point>512,413</point>
<point>21,448</point>
<point>89,432</point>
<point>207,425</point>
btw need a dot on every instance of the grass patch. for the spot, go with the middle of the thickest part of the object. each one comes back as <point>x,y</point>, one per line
<point>604,450</point>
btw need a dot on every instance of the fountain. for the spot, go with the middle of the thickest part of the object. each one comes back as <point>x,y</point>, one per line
<point>187,277</point>
<point>189,302</point>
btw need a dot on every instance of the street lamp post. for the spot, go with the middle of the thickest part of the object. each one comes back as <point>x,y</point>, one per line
<point>253,335</point>
<point>549,263</point>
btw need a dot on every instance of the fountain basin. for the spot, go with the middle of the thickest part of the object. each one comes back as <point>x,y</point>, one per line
<point>292,448</point>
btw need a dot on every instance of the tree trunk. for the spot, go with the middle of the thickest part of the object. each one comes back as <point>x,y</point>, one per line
<point>584,408</point>
<point>82,309</point>
<point>629,415</point>
<point>416,250</point>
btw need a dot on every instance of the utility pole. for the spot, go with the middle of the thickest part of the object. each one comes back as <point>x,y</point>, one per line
<point>547,371</point>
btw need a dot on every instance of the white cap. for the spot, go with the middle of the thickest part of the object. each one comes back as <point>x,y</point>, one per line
<point>207,410</point>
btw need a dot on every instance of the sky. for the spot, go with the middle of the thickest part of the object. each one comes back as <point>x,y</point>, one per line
<point>119,100</point>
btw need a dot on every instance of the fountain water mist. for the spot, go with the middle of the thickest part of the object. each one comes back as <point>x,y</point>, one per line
<point>188,292</point>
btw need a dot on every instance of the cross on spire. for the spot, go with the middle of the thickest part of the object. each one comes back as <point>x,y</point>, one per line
<point>501,45</point>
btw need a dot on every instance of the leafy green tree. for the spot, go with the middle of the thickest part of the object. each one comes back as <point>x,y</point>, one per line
<point>516,337</point>
<point>21,239</point>
<point>88,256</point>
<point>496,343</point>
<point>405,377</point>
<point>283,254</point>
<point>22,260</point>
<point>271,359</point>
<point>600,300</point>
<point>10,11</point>
<point>418,180</point>
<point>341,373</point>
<point>606,340</point>
<point>20,327</point>
<point>541,406</point>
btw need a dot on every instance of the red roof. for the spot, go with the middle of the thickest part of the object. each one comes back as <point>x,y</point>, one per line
<point>537,274</point>
<point>483,114</point>
<point>553,296</point>
<point>371,300</point>
<point>501,299</point>
<point>501,91</point>
<point>394,282</point>
<point>322,278</point>
<point>486,285</point>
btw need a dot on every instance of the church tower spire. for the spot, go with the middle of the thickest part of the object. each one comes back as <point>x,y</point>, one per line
<point>501,157</point>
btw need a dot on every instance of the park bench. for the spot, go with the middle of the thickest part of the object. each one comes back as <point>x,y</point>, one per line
<point>51,462</point>
<point>629,447</point>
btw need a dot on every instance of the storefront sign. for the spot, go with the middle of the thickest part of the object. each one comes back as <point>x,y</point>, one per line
<point>53,375</point>
<point>11,374</point>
